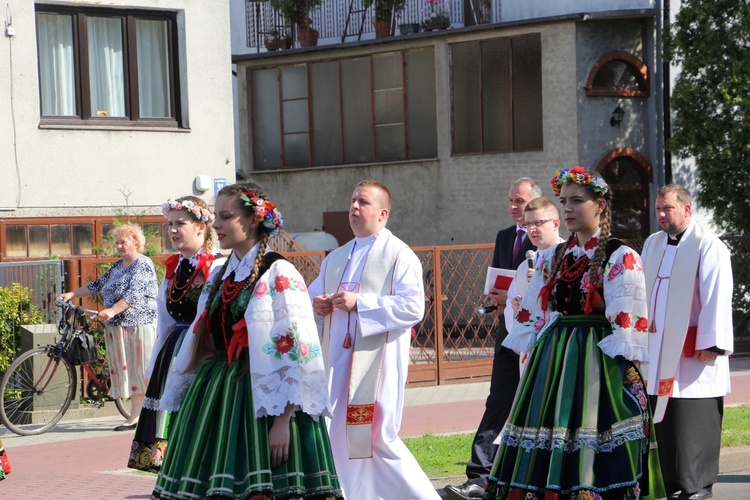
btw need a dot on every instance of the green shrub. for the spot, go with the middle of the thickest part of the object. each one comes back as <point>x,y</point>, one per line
<point>16,309</point>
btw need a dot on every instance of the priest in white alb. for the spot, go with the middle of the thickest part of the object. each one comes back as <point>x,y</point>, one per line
<point>370,293</point>
<point>689,285</point>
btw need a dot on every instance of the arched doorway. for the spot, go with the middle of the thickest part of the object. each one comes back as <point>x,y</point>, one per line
<point>629,175</point>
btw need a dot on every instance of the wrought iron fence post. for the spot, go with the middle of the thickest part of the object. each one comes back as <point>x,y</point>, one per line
<point>438,305</point>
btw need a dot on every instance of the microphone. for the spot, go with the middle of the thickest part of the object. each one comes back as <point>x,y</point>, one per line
<point>530,254</point>
<point>482,310</point>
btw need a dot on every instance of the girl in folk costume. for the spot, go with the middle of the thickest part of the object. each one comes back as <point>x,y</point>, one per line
<point>249,425</point>
<point>186,273</point>
<point>4,462</point>
<point>580,426</point>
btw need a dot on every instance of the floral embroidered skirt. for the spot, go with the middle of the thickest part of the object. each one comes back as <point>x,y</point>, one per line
<point>128,353</point>
<point>218,449</point>
<point>4,462</point>
<point>580,426</point>
<point>151,435</point>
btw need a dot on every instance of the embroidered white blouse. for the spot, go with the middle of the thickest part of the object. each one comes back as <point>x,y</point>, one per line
<point>286,363</point>
<point>624,293</point>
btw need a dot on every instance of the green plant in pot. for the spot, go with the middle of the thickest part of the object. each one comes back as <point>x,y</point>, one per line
<point>297,13</point>
<point>278,39</point>
<point>385,12</point>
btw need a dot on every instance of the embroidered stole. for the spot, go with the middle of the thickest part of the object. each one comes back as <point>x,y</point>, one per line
<point>682,278</point>
<point>369,352</point>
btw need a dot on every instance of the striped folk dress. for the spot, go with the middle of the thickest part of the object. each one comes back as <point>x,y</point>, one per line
<point>580,427</point>
<point>219,447</point>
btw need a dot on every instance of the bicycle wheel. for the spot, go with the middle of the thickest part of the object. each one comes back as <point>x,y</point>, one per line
<point>35,392</point>
<point>120,404</point>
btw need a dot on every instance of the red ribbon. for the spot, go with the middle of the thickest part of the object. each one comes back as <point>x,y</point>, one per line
<point>545,294</point>
<point>238,342</point>
<point>171,265</point>
<point>592,302</point>
<point>204,264</point>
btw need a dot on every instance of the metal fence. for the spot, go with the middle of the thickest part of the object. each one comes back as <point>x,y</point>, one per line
<point>450,344</point>
<point>43,278</point>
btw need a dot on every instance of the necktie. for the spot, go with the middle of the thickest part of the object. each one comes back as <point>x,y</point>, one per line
<point>517,244</point>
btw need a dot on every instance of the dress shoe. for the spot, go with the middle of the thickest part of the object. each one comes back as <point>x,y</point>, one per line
<point>698,495</point>
<point>125,427</point>
<point>464,492</point>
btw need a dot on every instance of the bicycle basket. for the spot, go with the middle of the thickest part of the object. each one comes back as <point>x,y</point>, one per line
<point>81,350</point>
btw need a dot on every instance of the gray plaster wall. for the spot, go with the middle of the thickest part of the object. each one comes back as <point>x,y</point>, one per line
<point>596,136</point>
<point>451,199</point>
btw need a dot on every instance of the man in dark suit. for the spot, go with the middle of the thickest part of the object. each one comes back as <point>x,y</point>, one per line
<point>511,245</point>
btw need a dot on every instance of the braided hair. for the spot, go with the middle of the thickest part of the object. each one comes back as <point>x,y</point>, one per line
<point>262,233</point>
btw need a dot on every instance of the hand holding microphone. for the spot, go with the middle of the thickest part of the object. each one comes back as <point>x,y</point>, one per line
<point>530,255</point>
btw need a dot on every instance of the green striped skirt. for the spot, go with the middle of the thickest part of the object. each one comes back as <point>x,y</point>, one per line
<point>580,426</point>
<point>218,449</point>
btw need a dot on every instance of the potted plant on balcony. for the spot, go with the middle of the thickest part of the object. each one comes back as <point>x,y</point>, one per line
<point>297,13</point>
<point>385,12</point>
<point>278,39</point>
<point>437,15</point>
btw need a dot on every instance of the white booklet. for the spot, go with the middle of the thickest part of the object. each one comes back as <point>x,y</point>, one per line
<point>498,278</point>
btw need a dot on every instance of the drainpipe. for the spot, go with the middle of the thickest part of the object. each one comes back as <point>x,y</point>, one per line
<point>666,27</point>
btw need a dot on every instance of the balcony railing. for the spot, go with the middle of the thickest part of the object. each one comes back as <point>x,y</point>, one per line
<point>330,18</point>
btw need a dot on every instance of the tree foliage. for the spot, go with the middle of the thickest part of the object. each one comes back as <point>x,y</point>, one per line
<point>16,308</point>
<point>710,39</point>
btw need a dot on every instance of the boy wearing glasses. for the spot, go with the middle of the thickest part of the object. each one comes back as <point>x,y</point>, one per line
<point>542,223</point>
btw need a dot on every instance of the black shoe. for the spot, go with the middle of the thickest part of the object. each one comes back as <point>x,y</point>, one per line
<point>698,495</point>
<point>464,492</point>
<point>125,427</point>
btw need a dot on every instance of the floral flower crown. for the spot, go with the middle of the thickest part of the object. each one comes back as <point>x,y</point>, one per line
<point>579,176</point>
<point>198,213</point>
<point>265,211</point>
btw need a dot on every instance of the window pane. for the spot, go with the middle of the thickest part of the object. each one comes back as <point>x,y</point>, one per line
<point>294,82</point>
<point>527,92</point>
<point>82,239</point>
<point>421,118</point>
<point>390,142</point>
<point>15,241</point>
<point>166,240</point>
<point>108,241</point>
<point>152,48</point>
<point>465,61</point>
<point>266,123</point>
<point>38,241</point>
<point>326,113</point>
<point>60,239</point>
<point>106,70</point>
<point>56,64</point>
<point>296,118</point>
<point>152,231</point>
<point>356,97</point>
<point>497,116</point>
<point>296,149</point>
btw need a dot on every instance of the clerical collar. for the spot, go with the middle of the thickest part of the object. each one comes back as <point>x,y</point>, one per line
<point>674,240</point>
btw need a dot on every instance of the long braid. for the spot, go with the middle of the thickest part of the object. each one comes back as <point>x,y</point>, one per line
<point>200,345</point>
<point>259,257</point>
<point>604,236</point>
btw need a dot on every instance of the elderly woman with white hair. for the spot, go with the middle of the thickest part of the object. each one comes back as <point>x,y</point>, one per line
<point>128,289</point>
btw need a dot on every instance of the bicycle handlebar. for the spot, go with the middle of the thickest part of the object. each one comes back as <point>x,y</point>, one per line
<point>78,309</point>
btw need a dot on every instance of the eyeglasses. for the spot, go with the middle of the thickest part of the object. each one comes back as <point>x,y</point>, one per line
<point>536,223</point>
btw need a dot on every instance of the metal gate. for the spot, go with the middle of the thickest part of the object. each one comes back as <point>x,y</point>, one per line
<point>43,278</point>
